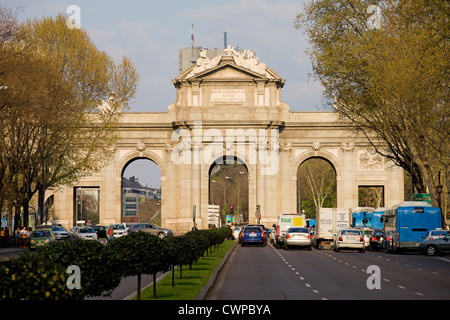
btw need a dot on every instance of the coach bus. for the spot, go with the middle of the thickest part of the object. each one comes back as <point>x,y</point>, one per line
<point>378,219</point>
<point>361,217</point>
<point>406,223</point>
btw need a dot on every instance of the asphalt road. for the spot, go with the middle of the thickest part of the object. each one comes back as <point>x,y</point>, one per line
<point>267,273</point>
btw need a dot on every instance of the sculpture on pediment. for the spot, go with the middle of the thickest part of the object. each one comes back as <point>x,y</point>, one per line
<point>245,59</point>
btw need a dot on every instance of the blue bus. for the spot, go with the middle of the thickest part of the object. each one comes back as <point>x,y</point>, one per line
<point>378,219</point>
<point>362,217</point>
<point>406,223</point>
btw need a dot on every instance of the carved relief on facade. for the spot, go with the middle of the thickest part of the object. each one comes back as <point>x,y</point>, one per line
<point>370,161</point>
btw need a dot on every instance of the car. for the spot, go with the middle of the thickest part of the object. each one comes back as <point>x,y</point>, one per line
<point>237,230</point>
<point>60,233</point>
<point>377,240</point>
<point>41,237</point>
<point>435,234</point>
<point>86,233</point>
<point>253,235</point>
<point>119,230</point>
<point>367,234</point>
<point>102,231</point>
<point>298,236</point>
<point>349,239</point>
<point>151,228</point>
<point>435,246</point>
<point>73,233</point>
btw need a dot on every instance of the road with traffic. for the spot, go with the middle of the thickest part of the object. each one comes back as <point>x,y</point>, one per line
<point>267,273</point>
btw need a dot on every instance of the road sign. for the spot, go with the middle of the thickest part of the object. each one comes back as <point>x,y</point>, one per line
<point>213,214</point>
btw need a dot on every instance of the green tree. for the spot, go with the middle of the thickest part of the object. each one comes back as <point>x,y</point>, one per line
<point>389,79</point>
<point>60,108</point>
<point>99,265</point>
<point>34,277</point>
<point>142,253</point>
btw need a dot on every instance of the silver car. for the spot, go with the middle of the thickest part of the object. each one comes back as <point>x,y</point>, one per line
<point>435,246</point>
<point>435,234</point>
<point>349,239</point>
<point>150,228</point>
<point>86,233</point>
<point>60,233</point>
<point>297,236</point>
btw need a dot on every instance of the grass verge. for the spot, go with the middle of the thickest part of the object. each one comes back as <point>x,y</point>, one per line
<point>192,281</point>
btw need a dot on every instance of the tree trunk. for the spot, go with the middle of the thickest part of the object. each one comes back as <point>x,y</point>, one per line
<point>138,295</point>
<point>154,285</point>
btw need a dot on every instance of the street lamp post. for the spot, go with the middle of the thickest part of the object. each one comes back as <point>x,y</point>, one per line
<point>439,189</point>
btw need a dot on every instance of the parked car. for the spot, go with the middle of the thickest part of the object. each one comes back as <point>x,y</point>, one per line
<point>349,239</point>
<point>101,231</point>
<point>60,233</point>
<point>435,246</point>
<point>41,237</point>
<point>151,228</point>
<point>435,234</point>
<point>252,235</point>
<point>119,230</point>
<point>297,236</point>
<point>73,233</point>
<point>86,233</point>
<point>377,240</point>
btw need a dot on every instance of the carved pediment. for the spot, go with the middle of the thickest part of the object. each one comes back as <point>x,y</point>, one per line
<point>232,65</point>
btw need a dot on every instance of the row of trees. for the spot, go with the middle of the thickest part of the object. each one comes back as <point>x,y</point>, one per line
<point>60,99</point>
<point>46,275</point>
<point>384,68</point>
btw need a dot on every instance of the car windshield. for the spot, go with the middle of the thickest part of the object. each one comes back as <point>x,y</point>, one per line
<point>253,229</point>
<point>58,229</point>
<point>118,226</point>
<point>87,230</point>
<point>300,230</point>
<point>41,233</point>
<point>350,232</point>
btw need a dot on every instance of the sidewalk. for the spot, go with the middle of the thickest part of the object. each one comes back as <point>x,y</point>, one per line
<point>10,252</point>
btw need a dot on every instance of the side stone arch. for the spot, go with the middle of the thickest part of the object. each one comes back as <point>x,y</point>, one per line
<point>136,155</point>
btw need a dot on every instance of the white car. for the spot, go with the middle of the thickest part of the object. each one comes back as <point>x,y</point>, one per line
<point>297,236</point>
<point>86,233</point>
<point>237,230</point>
<point>119,230</point>
<point>367,233</point>
<point>349,239</point>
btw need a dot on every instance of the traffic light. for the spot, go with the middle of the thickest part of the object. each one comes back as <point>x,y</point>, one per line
<point>231,210</point>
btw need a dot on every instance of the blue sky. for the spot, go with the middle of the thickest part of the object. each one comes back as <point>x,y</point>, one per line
<point>152,32</point>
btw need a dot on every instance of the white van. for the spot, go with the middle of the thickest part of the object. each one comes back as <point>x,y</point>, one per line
<point>284,222</point>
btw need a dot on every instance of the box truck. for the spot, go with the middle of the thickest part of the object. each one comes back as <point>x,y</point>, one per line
<point>328,223</point>
<point>284,222</point>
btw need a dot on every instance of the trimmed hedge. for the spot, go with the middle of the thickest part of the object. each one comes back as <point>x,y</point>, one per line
<point>44,275</point>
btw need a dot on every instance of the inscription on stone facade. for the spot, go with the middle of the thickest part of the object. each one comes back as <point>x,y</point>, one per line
<point>228,95</point>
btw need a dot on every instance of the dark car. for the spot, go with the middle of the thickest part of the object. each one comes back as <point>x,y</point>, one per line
<point>376,240</point>
<point>435,246</point>
<point>254,235</point>
<point>101,231</point>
